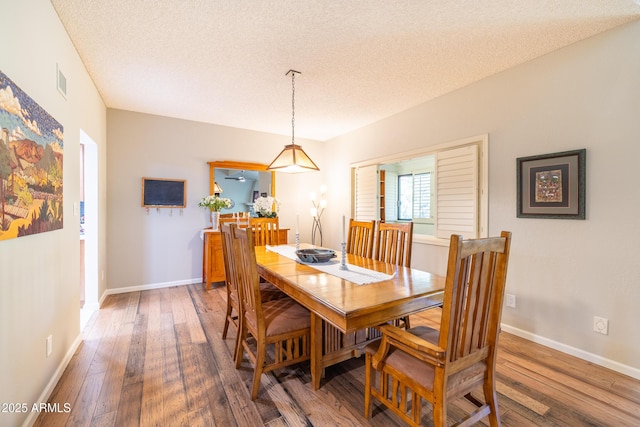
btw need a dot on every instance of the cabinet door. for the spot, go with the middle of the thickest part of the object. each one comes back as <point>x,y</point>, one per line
<point>213,263</point>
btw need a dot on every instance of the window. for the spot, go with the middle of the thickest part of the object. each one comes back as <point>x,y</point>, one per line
<point>442,189</point>
<point>414,197</point>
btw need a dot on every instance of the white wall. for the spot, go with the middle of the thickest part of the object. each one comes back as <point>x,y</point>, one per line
<point>40,274</point>
<point>562,272</point>
<point>163,247</point>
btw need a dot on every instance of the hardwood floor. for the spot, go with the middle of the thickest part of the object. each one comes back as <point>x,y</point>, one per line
<point>156,358</point>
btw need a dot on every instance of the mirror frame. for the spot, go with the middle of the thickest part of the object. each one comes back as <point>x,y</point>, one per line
<point>227,164</point>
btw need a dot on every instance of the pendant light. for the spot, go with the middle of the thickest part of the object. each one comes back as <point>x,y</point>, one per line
<point>293,159</point>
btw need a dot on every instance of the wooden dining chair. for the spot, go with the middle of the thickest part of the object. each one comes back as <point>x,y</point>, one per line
<point>266,231</point>
<point>274,333</point>
<point>360,238</point>
<point>393,245</point>
<point>405,367</point>
<point>268,292</point>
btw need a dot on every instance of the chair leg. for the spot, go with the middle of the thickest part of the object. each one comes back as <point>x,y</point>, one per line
<point>257,372</point>
<point>240,337</point>
<point>491,398</point>
<point>226,320</point>
<point>367,385</point>
<point>440,413</point>
<point>407,323</point>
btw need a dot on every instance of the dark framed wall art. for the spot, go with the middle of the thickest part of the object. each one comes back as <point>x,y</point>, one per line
<point>164,193</point>
<point>552,185</point>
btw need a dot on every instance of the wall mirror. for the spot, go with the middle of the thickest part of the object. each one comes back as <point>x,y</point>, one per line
<point>242,182</point>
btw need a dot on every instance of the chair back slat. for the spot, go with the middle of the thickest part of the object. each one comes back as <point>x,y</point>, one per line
<point>393,243</point>
<point>266,231</point>
<point>473,295</point>
<point>248,278</point>
<point>360,238</point>
<point>229,260</point>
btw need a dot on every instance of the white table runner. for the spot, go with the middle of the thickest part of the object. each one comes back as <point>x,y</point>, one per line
<point>354,273</point>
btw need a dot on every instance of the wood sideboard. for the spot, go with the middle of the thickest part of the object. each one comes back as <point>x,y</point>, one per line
<point>212,262</point>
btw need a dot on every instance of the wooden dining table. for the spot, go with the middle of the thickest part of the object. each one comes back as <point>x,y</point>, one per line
<point>346,305</point>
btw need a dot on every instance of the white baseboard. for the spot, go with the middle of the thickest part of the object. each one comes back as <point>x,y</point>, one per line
<point>114,291</point>
<point>46,393</point>
<point>584,355</point>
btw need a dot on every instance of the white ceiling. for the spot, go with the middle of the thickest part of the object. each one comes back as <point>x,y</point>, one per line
<point>224,62</point>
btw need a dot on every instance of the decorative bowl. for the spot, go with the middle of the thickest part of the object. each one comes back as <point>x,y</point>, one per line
<point>315,255</point>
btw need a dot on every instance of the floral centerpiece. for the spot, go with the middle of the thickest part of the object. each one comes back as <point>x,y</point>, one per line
<point>266,207</point>
<point>214,203</point>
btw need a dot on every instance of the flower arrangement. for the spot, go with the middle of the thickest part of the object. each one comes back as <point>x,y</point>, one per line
<point>266,207</point>
<point>214,203</point>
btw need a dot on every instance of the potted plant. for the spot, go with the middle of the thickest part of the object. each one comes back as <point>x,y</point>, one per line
<point>267,207</point>
<point>215,203</point>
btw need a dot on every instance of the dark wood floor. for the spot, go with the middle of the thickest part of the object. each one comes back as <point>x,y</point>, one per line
<point>156,358</point>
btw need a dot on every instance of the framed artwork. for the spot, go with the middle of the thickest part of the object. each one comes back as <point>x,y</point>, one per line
<point>552,185</point>
<point>31,165</point>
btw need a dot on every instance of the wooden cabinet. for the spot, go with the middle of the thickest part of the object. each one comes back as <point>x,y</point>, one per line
<point>212,261</point>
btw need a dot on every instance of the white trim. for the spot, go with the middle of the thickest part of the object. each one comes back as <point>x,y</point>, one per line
<point>483,139</point>
<point>114,291</point>
<point>48,389</point>
<point>581,354</point>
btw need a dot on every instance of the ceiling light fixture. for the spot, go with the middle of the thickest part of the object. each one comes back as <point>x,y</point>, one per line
<point>293,159</point>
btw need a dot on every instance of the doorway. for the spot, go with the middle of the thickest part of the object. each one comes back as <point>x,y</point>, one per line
<point>88,228</point>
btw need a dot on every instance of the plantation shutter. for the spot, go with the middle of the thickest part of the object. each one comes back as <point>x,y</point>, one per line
<point>457,192</point>
<point>366,196</point>
<point>391,196</point>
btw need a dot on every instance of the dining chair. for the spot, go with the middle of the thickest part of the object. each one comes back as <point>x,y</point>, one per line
<point>273,333</point>
<point>268,292</point>
<point>404,367</point>
<point>239,218</point>
<point>360,238</point>
<point>393,245</point>
<point>266,231</point>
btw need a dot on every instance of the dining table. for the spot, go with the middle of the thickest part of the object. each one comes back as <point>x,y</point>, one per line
<point>352,293</point>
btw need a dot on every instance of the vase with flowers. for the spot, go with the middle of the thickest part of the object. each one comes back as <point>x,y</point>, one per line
<point>267,207</point>
<point>215,203</point>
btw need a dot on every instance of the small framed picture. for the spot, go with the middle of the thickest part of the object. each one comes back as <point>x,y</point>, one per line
<point>552,185</point>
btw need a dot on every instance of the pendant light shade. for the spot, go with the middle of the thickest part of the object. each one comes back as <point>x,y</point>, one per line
<point>293,159</point>
<point>217,188</point>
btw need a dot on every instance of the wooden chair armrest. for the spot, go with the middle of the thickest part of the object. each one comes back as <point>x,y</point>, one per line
<point>401,339</point>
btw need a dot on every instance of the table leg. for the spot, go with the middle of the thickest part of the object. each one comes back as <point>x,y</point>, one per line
<point>316,350</point>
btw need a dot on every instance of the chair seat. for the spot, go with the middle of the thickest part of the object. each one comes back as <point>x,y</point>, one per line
<point>284,315</point>
<point>421,372</point>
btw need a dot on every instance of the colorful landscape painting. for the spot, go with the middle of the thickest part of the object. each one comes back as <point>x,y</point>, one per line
<point>31,148</point>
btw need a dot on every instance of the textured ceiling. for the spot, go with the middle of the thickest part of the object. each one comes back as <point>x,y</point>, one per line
<point>224,62</point>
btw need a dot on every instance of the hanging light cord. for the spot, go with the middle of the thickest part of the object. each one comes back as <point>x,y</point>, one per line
<point>293,104</point>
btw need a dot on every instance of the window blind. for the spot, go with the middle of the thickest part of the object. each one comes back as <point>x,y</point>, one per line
<point>422,195</point>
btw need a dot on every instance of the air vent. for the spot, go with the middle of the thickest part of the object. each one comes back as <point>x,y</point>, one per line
<point>62,82</point>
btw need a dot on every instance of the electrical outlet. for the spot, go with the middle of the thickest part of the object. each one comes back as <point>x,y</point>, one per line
<point>49,345</point>
<point>601,325</point>
<point>511,301</point>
